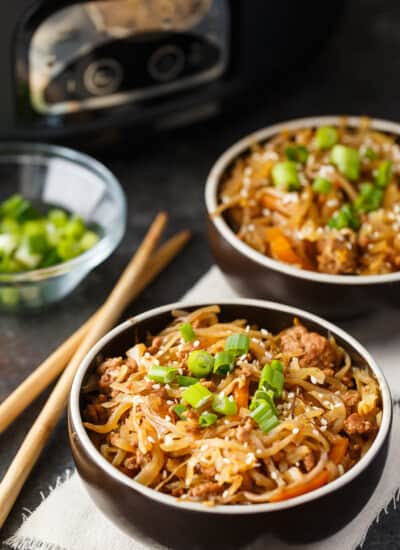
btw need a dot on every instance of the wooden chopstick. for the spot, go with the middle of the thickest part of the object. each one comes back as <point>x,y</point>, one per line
<point>51,367</point>
<point>43,426</point>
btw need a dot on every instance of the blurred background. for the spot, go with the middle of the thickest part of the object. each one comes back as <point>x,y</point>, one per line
<point>158,112</point>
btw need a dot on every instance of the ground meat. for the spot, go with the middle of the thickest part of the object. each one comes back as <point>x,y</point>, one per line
<point>131,464</point>
<point>309,462</point>
<point>155,345</point>
<point>243,432</point>
<point>110,364</point>
<point>177,491</point>
<point>337,252</point>
<point>205,489</point>
<point>351,398</point>
<point>208,471</point>
<point>95,413</point>
<point>313,349</point>
<point>356,424</point>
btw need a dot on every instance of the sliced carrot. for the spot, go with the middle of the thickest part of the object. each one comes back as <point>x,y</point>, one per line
<point>241,395</point>
<point>338,450</point>
<point>282,249</point>
<point>271,202</point>
<point>315,483</point>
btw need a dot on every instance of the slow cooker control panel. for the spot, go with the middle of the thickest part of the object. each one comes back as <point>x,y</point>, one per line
<point>98,54</point>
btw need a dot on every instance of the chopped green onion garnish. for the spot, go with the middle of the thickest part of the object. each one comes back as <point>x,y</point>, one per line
<point>347,161</point>
<point>263,395</point>
<point>89,239</point>
<point>187,332</point>
<point>237,344</point>
<point>224,362</point>
<point>207,419</point>
<point>345,217</point>
<point>224,405</point>
<point>297,153</point>
<point>186,380</point>
<point>326,137</point>
<point>179,410</point>
<point>30,240</point>
<point>58,217</point>
<point>200,363</point>
<point>369,199</point>
<point>384,174</point>
<point>322,185</point>
<point>272,377</point>
<point>370,154</point>
<point>285,176</point>
<point>196,395</point>
<point>265,417</point>
<point>162,375</point>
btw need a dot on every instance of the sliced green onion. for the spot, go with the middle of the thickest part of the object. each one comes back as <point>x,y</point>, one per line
<point>272,378</point>
<point>18,208</point>
<point>200,363</point>
<point>384,174</point>
<point>186,380</point>
<point>370,154</point>
<point>285,176</point>
<point>89,239</point>
<point>196,395</point>
<point>297,153</point>
<point>162,375</point>
<point>345,217</point>
<point>263,395</point>
<point>224,362</point>
<point>264,416</point>
<point>58,217</point>
<point>207,419</point>
<point>187,332</point>
<point>224,405</point>
<point>369,199</point>
<point>326,137</point>
<point>75,228</point>
<point>322,185</point>
<point>237,344</point>
<point>347,161</point>
<point>179,410</point>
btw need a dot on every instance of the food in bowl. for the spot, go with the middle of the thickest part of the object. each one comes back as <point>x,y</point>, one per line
<point>229,413</point>
<point>31,239</point>
<point>324,198</point>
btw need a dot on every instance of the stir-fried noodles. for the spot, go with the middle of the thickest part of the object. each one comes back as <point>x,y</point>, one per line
<point>324,199</point>
<point>228,413</point>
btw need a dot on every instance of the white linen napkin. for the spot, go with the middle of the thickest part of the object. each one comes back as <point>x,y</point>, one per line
<point>68,520</point>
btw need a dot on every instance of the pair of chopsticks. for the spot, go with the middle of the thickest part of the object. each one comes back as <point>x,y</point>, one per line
<point>144,266</point>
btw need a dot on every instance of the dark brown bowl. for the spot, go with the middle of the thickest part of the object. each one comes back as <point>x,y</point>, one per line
<point>153,517</point>
<point>255,275</point>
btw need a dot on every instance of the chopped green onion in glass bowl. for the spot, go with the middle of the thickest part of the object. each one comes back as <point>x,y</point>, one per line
<point>61,214</point>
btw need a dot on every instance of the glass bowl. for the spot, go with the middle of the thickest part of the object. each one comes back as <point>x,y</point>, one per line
<point>58,176</point>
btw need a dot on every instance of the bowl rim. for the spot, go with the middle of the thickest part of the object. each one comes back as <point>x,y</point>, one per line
<point>80,433</point>
<point>239,147</point>
<point>108,242</point>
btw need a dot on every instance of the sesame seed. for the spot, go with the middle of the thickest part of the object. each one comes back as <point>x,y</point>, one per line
<point>340,469</point>
<point>274,475</point>
<point>295,430</point>
<point>324,421</point>
<point>168,418</point>
<point>196,343</point>
<point>156,386</point>
<point>151,439</point>
<point>203,448</point>
<point>313,380</point>
<point>258,452</point>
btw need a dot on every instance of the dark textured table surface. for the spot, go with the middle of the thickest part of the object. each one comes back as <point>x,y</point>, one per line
<point>357,73</point>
